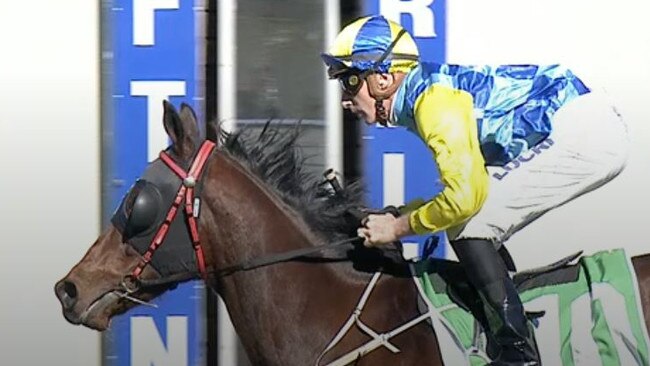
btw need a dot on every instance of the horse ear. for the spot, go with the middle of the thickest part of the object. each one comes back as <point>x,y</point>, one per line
<point>188,117</point>
<point>172,123</point>
<point>182,129</point>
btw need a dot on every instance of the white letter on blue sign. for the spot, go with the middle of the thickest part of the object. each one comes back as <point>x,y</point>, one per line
<point>393,179</point>
<point>156,91</point>
<point>144,24</point>
<point>420,11</point>
<point>148,348</point>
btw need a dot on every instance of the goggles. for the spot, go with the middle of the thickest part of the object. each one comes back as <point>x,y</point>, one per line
<point>139,211</point>
<point>351,81</point>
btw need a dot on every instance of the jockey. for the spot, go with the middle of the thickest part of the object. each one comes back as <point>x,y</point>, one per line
<point>510,142</point>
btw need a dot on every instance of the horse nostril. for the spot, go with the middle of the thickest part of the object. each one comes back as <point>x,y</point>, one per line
<point>66,291</point>
<point>70,289</point>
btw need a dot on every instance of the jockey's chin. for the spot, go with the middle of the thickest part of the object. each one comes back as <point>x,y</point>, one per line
<point>366,117</point>
<point>360,112</point>
<point>369,122</point>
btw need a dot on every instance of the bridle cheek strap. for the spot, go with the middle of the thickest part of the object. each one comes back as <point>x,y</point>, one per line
<point>185,193</point>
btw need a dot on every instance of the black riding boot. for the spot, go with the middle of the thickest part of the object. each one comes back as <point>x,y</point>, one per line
<point>505,313</point>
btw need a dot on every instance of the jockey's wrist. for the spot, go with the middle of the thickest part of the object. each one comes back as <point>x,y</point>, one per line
<point>403,227</point>
<point>417,226</point>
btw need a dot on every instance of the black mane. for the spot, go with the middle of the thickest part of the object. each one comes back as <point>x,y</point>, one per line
<point>274,157</point>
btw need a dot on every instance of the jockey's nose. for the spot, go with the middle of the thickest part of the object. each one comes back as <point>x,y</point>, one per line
<point>346,104</point>
<point>66,291</point>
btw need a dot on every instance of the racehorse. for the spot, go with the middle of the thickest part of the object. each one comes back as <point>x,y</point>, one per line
<point>210,207</point>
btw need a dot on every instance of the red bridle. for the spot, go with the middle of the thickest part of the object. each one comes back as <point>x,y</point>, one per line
<point>185,193</point>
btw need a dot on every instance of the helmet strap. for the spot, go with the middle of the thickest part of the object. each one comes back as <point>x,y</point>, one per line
<point>380,112</point>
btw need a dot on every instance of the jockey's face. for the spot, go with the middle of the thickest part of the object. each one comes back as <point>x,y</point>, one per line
<point>362,104</point>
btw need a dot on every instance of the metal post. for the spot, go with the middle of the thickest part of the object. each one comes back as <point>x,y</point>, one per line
<point>227,87</point>
<point>333,114</point>
<point>227,114</point>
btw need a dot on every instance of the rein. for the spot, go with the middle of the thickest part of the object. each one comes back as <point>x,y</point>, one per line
<point>250,264</point>
<point>281,257</point>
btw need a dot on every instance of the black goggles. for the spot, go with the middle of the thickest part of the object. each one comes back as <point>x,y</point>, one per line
<point>351,81</point>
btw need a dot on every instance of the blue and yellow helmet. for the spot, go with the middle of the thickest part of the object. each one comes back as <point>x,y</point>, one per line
<point>363,43</point>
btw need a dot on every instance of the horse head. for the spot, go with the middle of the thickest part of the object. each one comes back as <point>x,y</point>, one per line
<point>198,209</point>
<point>160,208</point>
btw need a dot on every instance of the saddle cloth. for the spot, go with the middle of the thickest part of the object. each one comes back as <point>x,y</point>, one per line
<point>588,313</point>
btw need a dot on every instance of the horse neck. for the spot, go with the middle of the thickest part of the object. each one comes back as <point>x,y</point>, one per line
<point>250,221</point>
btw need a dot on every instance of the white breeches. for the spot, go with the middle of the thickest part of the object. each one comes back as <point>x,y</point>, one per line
<point>587,148</point>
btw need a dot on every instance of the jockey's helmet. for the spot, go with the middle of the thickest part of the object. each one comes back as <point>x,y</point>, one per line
<point>371,44</point>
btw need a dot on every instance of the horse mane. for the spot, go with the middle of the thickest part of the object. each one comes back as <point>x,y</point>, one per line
<point>274,156</point>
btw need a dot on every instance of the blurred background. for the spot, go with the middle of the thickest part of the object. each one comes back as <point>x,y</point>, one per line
<point>81,84</point>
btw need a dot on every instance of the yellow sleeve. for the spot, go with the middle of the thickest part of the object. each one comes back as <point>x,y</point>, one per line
<point>445,121</point>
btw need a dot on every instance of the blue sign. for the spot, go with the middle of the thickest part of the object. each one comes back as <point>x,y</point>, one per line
<point>399,167</point>
<point>153,58</point>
